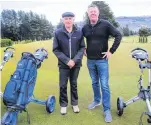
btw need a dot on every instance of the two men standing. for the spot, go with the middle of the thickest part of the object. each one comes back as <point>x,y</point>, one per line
<point>69,47</point>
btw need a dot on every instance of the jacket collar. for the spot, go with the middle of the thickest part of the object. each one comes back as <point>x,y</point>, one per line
<point>73,30</point>
<point>98,22</point>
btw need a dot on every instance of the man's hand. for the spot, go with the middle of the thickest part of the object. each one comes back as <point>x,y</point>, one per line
<point>71,64</point>
<point>107,54</point>
<point>85,53</point>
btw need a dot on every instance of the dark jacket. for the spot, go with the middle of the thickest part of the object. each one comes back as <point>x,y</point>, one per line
<point>97,38</point>
<point>67,47</point>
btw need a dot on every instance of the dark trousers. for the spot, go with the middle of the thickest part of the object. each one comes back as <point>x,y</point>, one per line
<point>64,75</point>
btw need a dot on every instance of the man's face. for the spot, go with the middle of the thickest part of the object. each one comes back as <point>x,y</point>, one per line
<point>93,13</point>
<point>68,21</point>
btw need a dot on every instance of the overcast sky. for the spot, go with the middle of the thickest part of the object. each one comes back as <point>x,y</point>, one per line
<point>53,9</point>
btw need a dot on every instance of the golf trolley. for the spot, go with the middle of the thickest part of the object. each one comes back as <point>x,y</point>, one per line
<point>19,90</point>
<point>144,94</point>
<point>8,53</point>
<point>40,55</point>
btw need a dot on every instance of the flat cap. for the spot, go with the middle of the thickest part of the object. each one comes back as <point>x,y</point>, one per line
<point>68,14</point>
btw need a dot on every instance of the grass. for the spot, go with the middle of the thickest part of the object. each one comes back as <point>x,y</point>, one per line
<point>134,39</point>
<point>124,74</point>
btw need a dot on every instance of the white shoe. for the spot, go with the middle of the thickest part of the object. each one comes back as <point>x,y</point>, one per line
<point>76,109</point>
<point>63,110</point>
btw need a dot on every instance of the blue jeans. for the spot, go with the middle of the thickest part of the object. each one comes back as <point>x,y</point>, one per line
<point>98,70</point>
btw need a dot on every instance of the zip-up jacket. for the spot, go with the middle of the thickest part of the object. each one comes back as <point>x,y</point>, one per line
<point>67,47</point>
<point>97,38</point>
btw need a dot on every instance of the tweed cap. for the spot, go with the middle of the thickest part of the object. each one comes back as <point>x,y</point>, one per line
<point>68,14</point>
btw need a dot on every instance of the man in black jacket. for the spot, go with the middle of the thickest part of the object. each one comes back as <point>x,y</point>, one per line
<point>97,33</point>
<point>68,46</point>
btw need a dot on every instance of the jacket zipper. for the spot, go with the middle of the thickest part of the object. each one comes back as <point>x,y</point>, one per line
<point>70,47</point>
<point>92,29</point>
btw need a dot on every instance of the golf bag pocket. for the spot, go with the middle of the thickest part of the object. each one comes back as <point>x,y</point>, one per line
<point>13,87</point>
<point>11,92</point>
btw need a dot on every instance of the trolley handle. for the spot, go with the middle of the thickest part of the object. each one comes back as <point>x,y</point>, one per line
<point>9,48</point>
<point>44,51</point>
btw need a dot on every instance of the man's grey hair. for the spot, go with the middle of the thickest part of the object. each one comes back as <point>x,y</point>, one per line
<point>92,5</point>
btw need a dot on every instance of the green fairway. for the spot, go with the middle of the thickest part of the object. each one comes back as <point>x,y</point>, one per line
<point>124,74</point>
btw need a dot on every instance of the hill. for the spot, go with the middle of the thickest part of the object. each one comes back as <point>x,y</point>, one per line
<point>134,23</point>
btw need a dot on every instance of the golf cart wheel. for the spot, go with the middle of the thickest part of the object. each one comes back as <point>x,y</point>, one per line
<point>120,106</point>
<point>50,104</point>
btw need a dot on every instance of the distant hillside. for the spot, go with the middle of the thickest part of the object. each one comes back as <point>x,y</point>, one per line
<point>134,23</point>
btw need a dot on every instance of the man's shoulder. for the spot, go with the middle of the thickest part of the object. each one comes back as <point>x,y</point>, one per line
<point>105,22</point>
<point>85,26</point>
<point>101,21</point>
<point>79,29</point>
<point>59,30</point>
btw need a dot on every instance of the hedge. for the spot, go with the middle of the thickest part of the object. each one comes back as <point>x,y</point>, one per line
<point>6,42</point>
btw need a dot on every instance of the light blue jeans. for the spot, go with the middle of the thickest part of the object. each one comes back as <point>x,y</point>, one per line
<point>98,70</point>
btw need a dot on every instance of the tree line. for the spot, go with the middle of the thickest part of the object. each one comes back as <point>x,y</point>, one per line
<point>21,25</point>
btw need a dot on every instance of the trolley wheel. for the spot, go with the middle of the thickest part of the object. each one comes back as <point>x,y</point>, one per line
<point>120,106</point>
<point>50,104</point>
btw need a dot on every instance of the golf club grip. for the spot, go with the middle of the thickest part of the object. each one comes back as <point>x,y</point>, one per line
<point>10,48</point>
<point>138,49</point>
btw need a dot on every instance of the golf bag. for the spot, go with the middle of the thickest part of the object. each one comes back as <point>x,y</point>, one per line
<point>19,90</point>
<point>22,83</point>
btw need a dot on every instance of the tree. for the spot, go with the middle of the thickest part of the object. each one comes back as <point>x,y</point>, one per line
<point>143,31</point>
<point>22,25</point>
<point>126,31</point>
<point>105,13</point>
<point>60,24</point>
<point>143,34</point>
<point>9,23</point>
<point>149,31</point>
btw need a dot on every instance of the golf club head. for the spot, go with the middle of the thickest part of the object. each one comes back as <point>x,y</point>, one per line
<point>40,54</point>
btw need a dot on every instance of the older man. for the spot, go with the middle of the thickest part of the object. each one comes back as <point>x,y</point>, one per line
<point>97,33</point>
<point>68,46</point>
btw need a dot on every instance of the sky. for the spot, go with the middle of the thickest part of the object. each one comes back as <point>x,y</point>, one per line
<point>53,9</point>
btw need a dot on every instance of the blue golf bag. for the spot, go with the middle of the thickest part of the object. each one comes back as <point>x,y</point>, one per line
<point>19,90</point>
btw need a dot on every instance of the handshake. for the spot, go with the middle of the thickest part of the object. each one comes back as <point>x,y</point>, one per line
<point>71,64</point>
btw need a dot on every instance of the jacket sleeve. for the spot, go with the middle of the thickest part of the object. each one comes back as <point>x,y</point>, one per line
<point>117,35</point>
<point>79,55</point>
<point>56,50</point>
